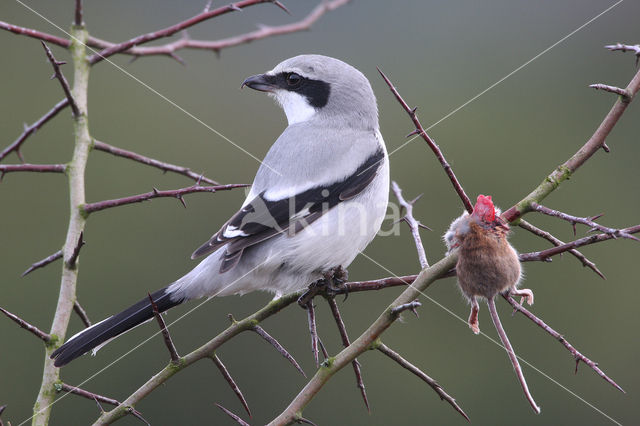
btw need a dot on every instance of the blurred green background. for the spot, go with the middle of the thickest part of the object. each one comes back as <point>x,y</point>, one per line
<point>439,54</point>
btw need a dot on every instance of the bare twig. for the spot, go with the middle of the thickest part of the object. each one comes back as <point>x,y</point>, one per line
<point>71,262</point>
<point>311,315</point>
<point>231,382</point>
<point>416,371</point>
<point>266,336</point>
<point>591,239</point>
<point>44,262</point>
<point>345,342</point>
<point>177,193</point>
<point>233,416</point>
<point>626,48</point>
<point>175,358</point>
<point>169,49</point>
<point>169,31</point>
<point>86,394</point>
<point>2,408</point>
<point>30,328</point>
<point>40,168</point>
<point>167,167</point>
<point>411,306</point>
<point>78,309</point>
<point>35,34</point>
<point>29,130</point>
<point>78,14</point>
<point>556,242</point>
<point>574,352</point>
<point>57,73</point>
<point>611,89</point>
<point>588,221</point>
<point>434,147</point>
<point>414,225</point>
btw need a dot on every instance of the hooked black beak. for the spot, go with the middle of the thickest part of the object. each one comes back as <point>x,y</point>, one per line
<point>259,82</point>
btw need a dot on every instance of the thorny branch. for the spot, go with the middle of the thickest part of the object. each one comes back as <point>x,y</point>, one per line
<point>44,262</point>
<point>234,387</point>
<point>57,73</point>
<point>167,167</point>
<point>185,42</point>
<point>588,221</point>
<point>416,371</point>
<point>177,193</point>
<point>345,342</point>
<point>30,328</point>
<point>414,225</point>
<point>29,130</point>
<point>574,352</point>
<point>556,242</point>
<point>166,336</point>
<point>419,130</point>
<point>169,31</point>
<point>233,416</point>
<point>40,168</point>
<point>97,398</point>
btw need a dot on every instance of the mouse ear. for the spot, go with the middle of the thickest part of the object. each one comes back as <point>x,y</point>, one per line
<point>484,208</point>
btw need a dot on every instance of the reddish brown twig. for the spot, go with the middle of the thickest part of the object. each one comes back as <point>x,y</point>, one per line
<point>345,342</point>
<point>167,167</point>
<point>78,14</point>
<point>30,328</point>
<point>39,168</point>
<point>414,225</point>
<point>78,309</point>
<point>266,336</point>
<point>35,34</point>
<point>556,242</point>
<point>175,358</point>
<point>57,73</point>
<point>611,89</point>
<point>313,332</point>
<point>355,286</point>
<point>263,32</point>
<point>574,352</point>
<point>97,398</point>
<point>44,262</point>
<point>588,221</point>
<point>169,31</point>
<point>428,380</point>
<point>71,262</point>
<point>591,239</point>
<point>225,373</point>
<point>29,130</point>
<point>434,147</point>
<point>176,193</point>
<point>233,416</point>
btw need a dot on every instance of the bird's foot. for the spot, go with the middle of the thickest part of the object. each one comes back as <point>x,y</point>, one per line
<point>334,281</point>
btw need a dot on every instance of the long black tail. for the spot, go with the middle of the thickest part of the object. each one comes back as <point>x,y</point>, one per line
<point>112,327</point>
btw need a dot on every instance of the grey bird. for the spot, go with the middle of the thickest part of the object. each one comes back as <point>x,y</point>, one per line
<point>317,200</point>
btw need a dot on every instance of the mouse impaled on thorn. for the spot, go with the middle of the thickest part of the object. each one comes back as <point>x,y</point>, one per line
<point>487,266</point>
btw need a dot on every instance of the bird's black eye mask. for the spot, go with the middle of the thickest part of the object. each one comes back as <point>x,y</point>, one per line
<point>316,91</point>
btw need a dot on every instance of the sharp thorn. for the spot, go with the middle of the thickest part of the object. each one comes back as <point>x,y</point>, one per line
<point>282,6</point>
<point>233,6</point>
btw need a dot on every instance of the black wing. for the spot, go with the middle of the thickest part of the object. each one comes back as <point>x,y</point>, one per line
<point>262,219</point>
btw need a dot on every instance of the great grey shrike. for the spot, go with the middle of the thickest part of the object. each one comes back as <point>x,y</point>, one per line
<point>317,200</point>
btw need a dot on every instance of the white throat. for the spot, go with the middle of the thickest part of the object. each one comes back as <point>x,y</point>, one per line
<point>295,106</point>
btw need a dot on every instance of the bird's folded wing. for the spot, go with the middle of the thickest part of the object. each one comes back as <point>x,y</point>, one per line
<point>262,218</point>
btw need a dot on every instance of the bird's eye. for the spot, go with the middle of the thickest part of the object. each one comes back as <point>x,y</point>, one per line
<point>293,79</point>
